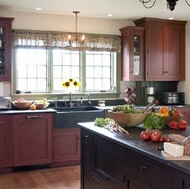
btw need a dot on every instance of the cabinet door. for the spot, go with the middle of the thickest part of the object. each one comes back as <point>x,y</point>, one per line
<point>66,145</point>
<point>86,159</point>
<point>132,50</point>
<point>5,48</point>
<point>181,181</point>
<point>6,159</point>
<point>174,52</point>
<point>154,52</point>
<point>32,138</point>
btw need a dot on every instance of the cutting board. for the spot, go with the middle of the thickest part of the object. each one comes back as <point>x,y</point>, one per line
<point>170,157</point>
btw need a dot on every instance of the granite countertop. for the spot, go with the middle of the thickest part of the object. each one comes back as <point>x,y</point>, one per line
<point>145,148</point>
<point>48,110</point>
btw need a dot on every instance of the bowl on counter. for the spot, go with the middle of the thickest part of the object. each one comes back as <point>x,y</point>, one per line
<point>172,118</point>
<point>22,105</point>
<point>128,119</point>
<point>42,106</point>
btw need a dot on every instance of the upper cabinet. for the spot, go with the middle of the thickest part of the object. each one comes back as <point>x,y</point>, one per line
<point>164,49</point>
<point>5,48</point>
<point>132,53</point>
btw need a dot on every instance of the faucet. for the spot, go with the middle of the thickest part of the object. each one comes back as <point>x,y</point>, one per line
<point>88,95</point>
<point>70,99</point>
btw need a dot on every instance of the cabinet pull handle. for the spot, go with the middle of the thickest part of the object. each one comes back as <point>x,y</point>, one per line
<point>34,117</point>
<point>143,167</point>
<point>131,72</point>
<point>85,139</point>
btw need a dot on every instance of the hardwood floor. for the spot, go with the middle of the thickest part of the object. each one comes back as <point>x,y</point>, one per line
<point>50,178</point>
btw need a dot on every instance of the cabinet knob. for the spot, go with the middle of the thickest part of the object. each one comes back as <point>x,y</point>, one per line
<point>165,71</point>
<point>131,72</point>
<point>143,167</point>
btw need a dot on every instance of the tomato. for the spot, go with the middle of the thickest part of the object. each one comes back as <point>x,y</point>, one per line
<point>162,139</point>
<point>158,132</point>
<point>167,139</point>
<point>155,137</point>
<point>144,135</point>
<point>164,109</point>
<point>173,124</point>
<point>182,124</point>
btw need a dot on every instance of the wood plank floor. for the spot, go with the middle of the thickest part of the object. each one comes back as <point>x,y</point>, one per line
<point>50,178</point>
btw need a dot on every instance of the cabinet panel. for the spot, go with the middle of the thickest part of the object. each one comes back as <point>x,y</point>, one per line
<point>165,49</point>
<point>66,144</point>
<point>6,159</point>
<point>5,48</point>
<point>181,181</point>
<point>132,53</point>
<point>32,136</point>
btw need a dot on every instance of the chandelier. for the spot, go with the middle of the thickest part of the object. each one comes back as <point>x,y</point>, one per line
<point>75,39</point>
<point>170,3</point>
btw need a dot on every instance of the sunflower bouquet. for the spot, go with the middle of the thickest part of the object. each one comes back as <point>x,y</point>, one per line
<point>70,83</point>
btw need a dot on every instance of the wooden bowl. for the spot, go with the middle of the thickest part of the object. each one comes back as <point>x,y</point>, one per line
<point>170,118</point>
<point>128,120</point>
<point>22,105</point>
<point>42,105</point>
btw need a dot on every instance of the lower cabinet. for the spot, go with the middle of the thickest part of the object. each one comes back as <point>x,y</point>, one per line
<point>66,145</point>
<point>181,181</point>
<point>32,136</point>
<point>107,165</point>
<point>6,151</point>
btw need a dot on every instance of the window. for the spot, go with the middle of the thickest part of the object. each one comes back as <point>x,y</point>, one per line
<point>42,69</point>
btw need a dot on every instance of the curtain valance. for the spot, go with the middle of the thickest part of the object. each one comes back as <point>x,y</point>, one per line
<point>92,42</point>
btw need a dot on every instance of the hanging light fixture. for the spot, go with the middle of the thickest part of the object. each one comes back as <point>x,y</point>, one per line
<point>170,3</point>
<point>75,39</point>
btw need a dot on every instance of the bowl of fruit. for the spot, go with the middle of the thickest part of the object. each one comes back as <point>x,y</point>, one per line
<point>41,104</point>
<point>127,115</point>
<point>170,114</point>
<point>22,104</point>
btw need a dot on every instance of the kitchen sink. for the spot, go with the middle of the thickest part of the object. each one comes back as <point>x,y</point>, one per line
<point>69,117</point>
<point>76,109</point>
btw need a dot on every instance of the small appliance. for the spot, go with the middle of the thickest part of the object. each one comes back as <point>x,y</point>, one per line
<point>5,103</point>
<point>170,98</point>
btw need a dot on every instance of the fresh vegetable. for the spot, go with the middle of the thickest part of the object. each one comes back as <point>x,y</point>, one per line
<point>154,121</point>
<point>155,137</point>
<point>166,111</point>
<point>127,108</point>
<point>102,121</point>
<point>173,125</point>
<point>182,124</point>
<point>174,112</point>
<point>144,135</point>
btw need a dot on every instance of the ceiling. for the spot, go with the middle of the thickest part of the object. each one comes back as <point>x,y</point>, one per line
<point>121,9</point>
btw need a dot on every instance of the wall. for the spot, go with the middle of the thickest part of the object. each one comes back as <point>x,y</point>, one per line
<point>184,86</point>
<point>37,21</point>
<point>48,22</point>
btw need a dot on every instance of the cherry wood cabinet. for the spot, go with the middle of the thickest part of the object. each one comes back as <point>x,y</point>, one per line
<point>164,49</point>
<point>6,151</point>
<point>66,145</point>
<point>5,48</point>
<point>132,53</point>
<point>32,136</point>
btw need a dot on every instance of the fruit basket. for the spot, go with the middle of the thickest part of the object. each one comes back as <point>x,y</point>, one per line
<point>42,105</point>
<point>172,118</point>
<point>128,119</point>
<point>22,105</point>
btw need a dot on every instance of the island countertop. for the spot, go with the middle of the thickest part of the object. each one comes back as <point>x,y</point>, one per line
<point>148,149</point>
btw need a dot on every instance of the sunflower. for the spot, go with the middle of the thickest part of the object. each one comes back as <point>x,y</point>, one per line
<point>71,82</point>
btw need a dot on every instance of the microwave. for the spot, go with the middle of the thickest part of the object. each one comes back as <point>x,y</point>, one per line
<point>170,98</point>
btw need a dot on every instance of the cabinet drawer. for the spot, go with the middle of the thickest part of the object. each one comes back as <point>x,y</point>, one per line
<point>151,172</point>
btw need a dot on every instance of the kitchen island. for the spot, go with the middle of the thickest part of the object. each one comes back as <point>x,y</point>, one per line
<point>117,161</point>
